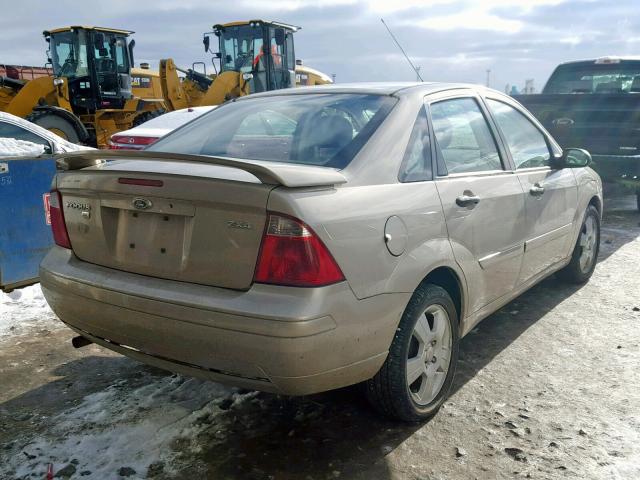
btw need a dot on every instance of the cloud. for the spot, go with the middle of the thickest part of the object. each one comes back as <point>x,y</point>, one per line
<point>451,40</point>
<point>472,20</point>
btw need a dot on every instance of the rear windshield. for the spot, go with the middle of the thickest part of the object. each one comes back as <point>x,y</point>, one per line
<point>623,77</point>
<point>311,129</point>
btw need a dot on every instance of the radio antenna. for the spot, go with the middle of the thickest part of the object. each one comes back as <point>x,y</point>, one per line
<point>417,70</point>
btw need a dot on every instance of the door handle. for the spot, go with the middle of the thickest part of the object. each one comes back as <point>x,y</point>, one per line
<point>536,189</point>
<point>467,200</point>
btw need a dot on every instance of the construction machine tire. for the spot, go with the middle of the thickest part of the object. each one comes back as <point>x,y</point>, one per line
<point>146,116</point>
<point>55,124</point>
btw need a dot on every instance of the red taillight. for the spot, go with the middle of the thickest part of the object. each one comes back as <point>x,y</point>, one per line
<point>130,142</point>
<point>59,229</point>
<point>291,254</point>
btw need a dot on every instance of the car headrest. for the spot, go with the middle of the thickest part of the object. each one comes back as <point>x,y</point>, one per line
<point>609,87</point>
<point>333,131</point>
<point>442,128</point>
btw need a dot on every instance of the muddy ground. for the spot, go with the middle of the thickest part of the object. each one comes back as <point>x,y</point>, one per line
<point>548,387</point>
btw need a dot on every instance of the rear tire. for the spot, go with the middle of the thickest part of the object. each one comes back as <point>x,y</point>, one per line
<point>55,124</point>
<point>415,379</point>
<point>585,253</point>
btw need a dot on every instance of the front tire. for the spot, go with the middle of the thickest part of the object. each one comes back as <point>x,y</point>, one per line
<point>415,379</point>
<point>585,253</point>
<point>55,124</point>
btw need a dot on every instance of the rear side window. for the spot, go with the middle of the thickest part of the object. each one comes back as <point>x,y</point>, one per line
<point>526,143</point>
<point>312,129</point>
<point>463,138</point>
<point>416,164</point>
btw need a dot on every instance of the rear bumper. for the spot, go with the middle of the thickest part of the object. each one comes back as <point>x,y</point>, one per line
<point>287,340</point>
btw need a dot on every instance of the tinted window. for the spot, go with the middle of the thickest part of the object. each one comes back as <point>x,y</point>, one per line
<point>313,129</point>
<point>526,143</point>
<point>591,77</point>
<point>416,164</point>
<point>463,138</point>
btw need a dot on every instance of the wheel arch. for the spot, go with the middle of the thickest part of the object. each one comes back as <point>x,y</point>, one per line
<point>596,202</point>
<point>447,278</point>
<point>83,133</point>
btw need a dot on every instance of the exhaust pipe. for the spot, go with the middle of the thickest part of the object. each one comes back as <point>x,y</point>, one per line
<point>80,341</point>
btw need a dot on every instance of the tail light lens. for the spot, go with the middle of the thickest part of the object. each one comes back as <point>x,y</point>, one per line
<point>130,142</point>
<point>58,227</point>
<point>293,255</point>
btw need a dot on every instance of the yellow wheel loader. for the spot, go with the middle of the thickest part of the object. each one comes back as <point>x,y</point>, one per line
<point>90,95</point>
<point>255,56</point>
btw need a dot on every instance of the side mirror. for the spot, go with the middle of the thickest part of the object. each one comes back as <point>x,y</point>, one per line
<point>206,41</point>
<point>279,36</point>
<point>132,44</point>
<point>247,76</point>
<point>574,158</point>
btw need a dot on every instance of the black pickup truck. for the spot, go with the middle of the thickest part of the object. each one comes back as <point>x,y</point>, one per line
<point>595,105</point>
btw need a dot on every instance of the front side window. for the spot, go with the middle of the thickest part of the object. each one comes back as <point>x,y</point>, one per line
<point>69,54</point>
<point>526,143</point>
<point>416,164</point>
<point>312,129</point>
<point>463,138</point>
<point>18,140</point>
<point>110,53</point>
<point>241,48</point>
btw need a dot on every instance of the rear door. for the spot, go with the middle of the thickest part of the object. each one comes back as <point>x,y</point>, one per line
<point>550,195</point>
<point>481,198</point>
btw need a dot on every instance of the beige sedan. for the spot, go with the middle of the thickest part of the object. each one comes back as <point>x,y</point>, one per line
<point>304,240</point>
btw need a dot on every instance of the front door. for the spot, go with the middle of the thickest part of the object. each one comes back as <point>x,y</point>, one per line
<point>482,200</point>
<point>550,195</point>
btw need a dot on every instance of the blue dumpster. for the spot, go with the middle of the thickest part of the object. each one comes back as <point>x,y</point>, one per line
<point>25,233</point>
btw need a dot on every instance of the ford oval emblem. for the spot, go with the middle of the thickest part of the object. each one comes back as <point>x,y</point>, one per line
<point>563,122</point>
<point>142,203</point>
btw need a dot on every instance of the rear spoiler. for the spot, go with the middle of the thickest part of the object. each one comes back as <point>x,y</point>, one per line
<point>272,173</point>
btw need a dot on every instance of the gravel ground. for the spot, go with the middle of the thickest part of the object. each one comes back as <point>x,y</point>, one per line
<point>548,387</point>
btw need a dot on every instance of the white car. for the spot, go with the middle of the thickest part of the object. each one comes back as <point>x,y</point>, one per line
<point>145,134</point>
<point>21,137</point>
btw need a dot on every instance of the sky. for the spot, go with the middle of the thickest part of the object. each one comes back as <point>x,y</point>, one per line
<point>451,40</point>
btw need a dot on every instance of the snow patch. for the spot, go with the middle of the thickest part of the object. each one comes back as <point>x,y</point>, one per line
<point>10,147</point>
<point>117,428</point>
<point>24,310</point>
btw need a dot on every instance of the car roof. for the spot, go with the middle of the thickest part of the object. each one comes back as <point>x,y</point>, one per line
<point>371,88</point>
<point>167,122</point>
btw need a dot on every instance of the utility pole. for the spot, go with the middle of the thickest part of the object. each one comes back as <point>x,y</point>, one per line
<point>488,77</point>
<point>333,78</point>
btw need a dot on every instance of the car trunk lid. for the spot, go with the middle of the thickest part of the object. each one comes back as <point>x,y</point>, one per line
<point>198,221</point>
